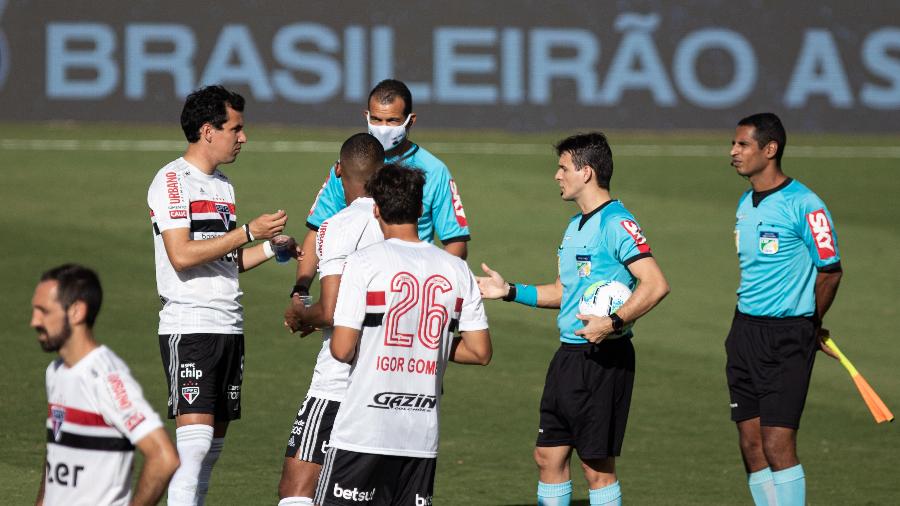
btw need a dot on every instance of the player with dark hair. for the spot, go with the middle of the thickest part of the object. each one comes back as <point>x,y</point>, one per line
<point>390,118</point>
<point>399,302</point>
<point>352,228</point>
<point>97,413</point>
<point>790,272</point>
<point>199,252</point>
<point>587,393</point>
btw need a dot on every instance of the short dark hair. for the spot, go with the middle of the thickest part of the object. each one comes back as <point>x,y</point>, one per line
<point>591,149</point>
<point>767,128</point>
<point>76,282</point>
<point>208,105</point>
<point>361,154</point>
<point>397,190</point>
<point>389,90</point>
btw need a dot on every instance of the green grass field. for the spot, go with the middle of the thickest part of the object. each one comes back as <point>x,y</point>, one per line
<point>85,201</point>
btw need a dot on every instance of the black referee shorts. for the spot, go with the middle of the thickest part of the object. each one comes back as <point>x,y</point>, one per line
<point>770,362</point>
<point>586,398</point>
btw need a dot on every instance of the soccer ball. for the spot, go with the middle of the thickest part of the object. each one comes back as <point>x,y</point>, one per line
<point>603,298</point>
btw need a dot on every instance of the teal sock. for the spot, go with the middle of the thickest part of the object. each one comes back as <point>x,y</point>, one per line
<point>762,487</point>
<point>790,486</point>
<point>610,495</point>
<point>554,494</point>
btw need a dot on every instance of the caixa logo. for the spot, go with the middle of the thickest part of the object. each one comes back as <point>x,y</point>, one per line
<point>403,401</point>
<point>4,50</point>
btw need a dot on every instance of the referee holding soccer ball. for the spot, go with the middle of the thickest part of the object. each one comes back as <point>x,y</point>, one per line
<point>790,271</point>
<point>603,242</point>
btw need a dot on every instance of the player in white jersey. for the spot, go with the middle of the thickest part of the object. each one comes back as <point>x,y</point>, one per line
<point>398,304</point>
<point>96,412</point>
<point>199,254</point>
<point>352,228</point>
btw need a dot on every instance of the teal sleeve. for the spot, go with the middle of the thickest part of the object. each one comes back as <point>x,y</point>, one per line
<point>446,206</point>
<point>817,231</point>
<point>626,238</point>
<point>329,201</point>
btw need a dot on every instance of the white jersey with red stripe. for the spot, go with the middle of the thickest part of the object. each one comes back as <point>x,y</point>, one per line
<point>353,228</point>
<point>407,298</point>
<point>204,299</point>
<point>96,414</point>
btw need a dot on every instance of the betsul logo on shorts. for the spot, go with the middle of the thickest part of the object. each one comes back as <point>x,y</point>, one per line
<point>424,501</point>
<point>403,401</point>
<point>353,494</point>
<point>822,233</point>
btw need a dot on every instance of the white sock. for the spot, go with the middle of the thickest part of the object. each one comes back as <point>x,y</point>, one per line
<point>296,501</point>
<point>206,468</point>
<point>193,443</point>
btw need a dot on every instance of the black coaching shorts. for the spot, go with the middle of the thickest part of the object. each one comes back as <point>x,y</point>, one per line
<point>204,373</point>
<point>351,478</point>
<point>770,361</point>
<point>312,430</point>
<point>586,398</point>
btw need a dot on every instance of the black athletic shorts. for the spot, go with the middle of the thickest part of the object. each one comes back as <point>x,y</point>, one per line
<point>312,430</point>
<point>586,398</point>
<point>204,373</point>
<point>770,361</point>
<point>351,478</point>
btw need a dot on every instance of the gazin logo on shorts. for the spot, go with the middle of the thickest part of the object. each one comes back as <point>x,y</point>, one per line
<point>403,401</point>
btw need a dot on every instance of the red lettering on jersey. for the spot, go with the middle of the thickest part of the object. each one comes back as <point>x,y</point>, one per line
<point>133,421</point>
<point>119,391</point>
<point>173,189</point>
<point>458,206</point>
<point>321,241</point>
<point>821,231</point>
<point>635,232</point>
<point>178,214</point>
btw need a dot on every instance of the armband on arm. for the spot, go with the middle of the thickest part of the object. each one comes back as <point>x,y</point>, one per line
<point>523,294</point>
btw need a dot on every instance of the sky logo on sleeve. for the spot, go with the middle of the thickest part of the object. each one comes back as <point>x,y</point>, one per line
<point>822,233</point>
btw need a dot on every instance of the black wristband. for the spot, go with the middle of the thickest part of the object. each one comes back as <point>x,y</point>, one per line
<point>247,231</point>
<point>511,295</point>
<point>301,290</point>
<point>617,322</point>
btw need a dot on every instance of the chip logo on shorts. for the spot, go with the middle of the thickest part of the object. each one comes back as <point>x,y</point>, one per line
<point>583,265</point>
<point>822,233</point>
<point>768,243</point>
<point>190,394</point>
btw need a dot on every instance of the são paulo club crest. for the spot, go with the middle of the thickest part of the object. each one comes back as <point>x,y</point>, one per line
<point>224,213</point>
<point>57,416</point>
<point>190,393</point>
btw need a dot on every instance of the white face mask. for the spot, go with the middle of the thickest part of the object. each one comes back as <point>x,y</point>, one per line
<point>389,136</point>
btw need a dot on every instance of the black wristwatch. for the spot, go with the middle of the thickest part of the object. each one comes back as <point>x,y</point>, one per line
<point>299,290</point>
<point>617,322</point>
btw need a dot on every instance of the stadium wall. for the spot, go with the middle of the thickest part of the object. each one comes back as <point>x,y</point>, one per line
<point>529,65</point>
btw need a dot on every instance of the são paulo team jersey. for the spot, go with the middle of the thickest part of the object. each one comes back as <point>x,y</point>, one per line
<point>407,299</point>
<point>204,299</point>
<point>442,209</point>
<point>96,414</point>
<point>783,236</point>
<point>596,246</point>
<point>351,229</point>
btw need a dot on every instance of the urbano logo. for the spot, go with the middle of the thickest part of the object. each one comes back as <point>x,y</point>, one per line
<point>403,401</point>
<point>4,49</point>
<point>308,62</point>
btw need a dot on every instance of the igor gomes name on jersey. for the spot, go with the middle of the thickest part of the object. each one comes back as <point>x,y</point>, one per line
<point>204,299</point>
<point>406,298</point>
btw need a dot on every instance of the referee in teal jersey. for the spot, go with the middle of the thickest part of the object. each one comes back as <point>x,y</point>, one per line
<point>790,271</point>
<point>587,393</point>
